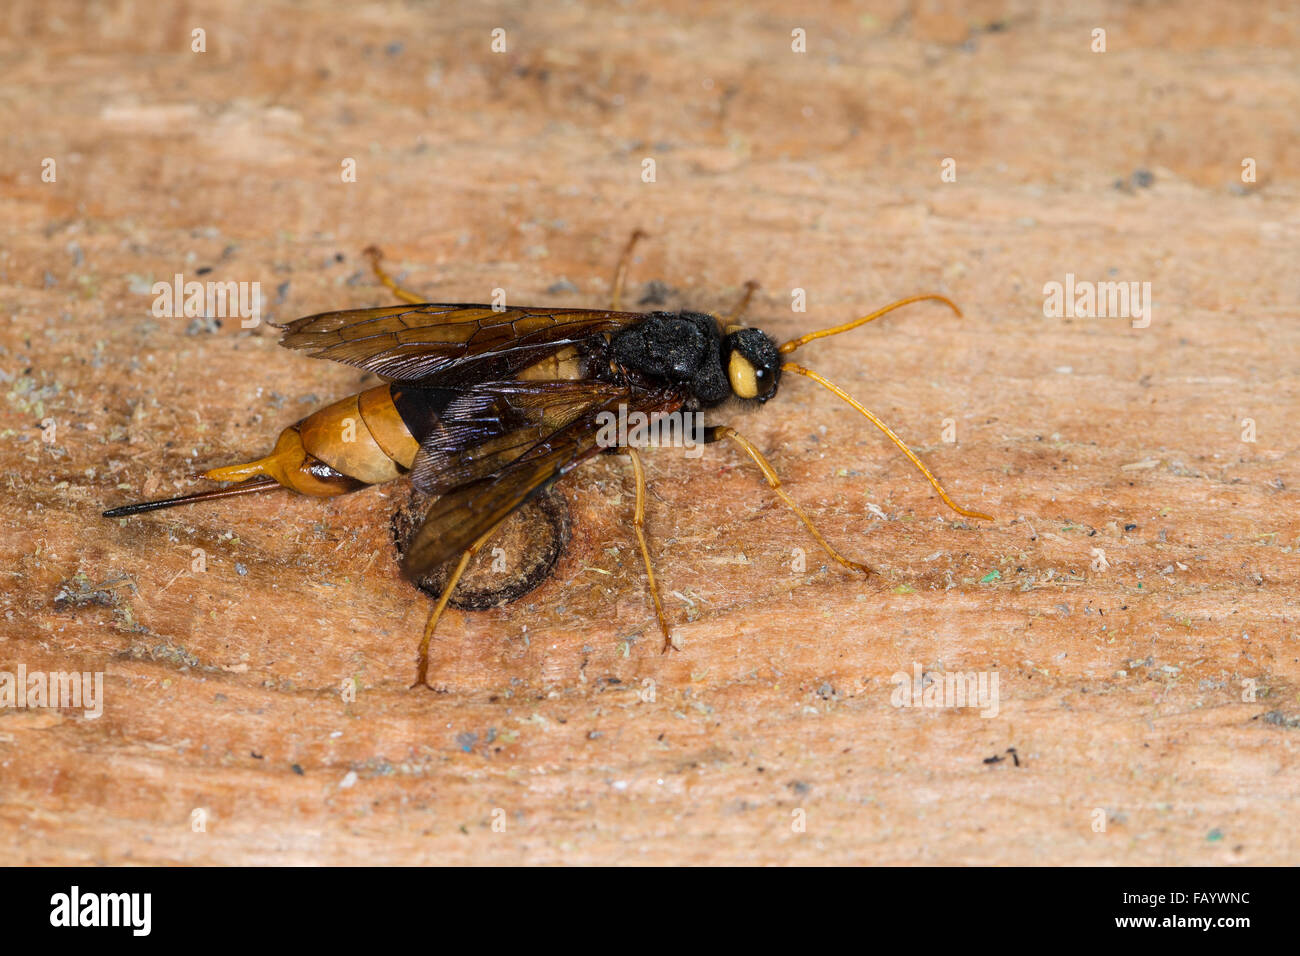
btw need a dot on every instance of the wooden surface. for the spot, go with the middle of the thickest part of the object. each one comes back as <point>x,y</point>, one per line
<point>1121,689</point>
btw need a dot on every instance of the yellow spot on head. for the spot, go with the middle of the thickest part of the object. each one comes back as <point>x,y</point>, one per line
<point>743,377</point>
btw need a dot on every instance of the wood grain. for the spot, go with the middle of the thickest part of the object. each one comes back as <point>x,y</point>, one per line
<point>1157,690</point>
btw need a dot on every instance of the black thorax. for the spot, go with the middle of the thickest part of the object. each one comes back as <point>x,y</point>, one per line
<point>678,350</point>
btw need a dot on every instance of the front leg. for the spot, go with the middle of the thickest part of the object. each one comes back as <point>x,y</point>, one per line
<point>719,432</point>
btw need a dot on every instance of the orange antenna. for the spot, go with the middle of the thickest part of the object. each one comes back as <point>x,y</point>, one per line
<point>825,383</point>
<point>805,339</point>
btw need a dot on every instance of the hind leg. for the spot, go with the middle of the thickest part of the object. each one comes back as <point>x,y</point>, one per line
<point>374,255</point>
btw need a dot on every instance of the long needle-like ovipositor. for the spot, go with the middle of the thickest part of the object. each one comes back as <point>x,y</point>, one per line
<point>243,488</point>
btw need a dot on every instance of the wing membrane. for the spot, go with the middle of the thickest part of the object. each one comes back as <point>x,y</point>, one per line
<point>489,426</point>
<point>492,441</point>
<point>446,343</point>
<point>467,512</point>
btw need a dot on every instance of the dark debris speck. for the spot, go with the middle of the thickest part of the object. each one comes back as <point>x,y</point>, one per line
<point>1279,719</point>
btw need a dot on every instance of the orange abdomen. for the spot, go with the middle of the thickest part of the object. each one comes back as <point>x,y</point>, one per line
<point>358,441</point>
<point>361,436</point>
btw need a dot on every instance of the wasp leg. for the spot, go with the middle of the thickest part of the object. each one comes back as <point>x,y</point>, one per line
<point>422,675</point>
<point>620,271</point>
<point>638,522</point>
<point>734,315</point>
<point>374,255</point>
<point>722,431</point>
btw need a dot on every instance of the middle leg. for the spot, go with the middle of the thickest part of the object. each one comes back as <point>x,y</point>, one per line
<point>620,271</point>
<point>638,522</point>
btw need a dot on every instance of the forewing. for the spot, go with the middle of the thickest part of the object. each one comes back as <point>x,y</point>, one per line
<point>464,514</point>
<point>490,425</point>
<point>446,343</point>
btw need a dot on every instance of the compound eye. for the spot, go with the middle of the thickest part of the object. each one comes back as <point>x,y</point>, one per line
<point>743,376</point>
